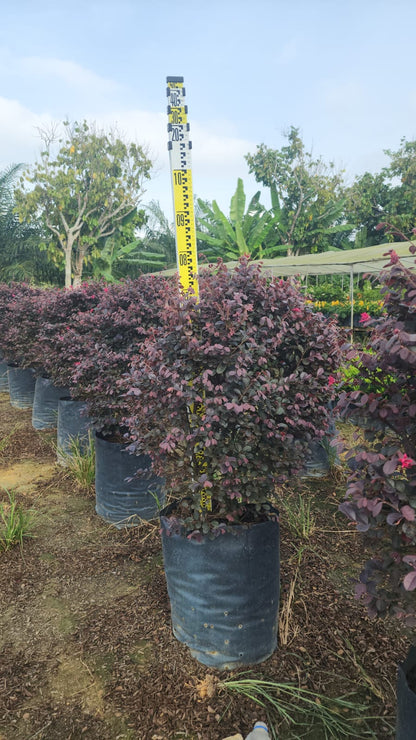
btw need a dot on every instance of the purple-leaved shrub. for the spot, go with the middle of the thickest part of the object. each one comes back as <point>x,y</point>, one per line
<point>58,348</point>
<point>106,339</point>
<point>19,322</point>
<point>228,393</point>
<point>381,494</point>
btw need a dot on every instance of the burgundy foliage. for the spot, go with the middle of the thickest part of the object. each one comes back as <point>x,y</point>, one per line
<point>106,339</point>
<point>58,349</point>
<point>227,395</point>
<point>381,495</point>
<point>19,322</point>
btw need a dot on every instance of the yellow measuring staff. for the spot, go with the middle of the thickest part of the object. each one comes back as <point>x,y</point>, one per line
<point>180,147</point>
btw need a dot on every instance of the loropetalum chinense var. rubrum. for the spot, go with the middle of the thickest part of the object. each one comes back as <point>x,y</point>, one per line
<point>106,339</point>
<point>33,321</point>
<point>228,393</point>
<point>19,323</point>
<point>58,349</point>
<point>381,494</point>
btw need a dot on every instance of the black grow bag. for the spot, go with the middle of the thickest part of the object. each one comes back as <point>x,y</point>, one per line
<point>73,424</point>
<point>21,386</point>
<point>4,381</point>
<point>224,592</point>
<point>121,501</point>
<point>406,698</point>
<point>45,403</point>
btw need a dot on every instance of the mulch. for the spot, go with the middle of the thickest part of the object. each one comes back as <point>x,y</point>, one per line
<point>86,648</point>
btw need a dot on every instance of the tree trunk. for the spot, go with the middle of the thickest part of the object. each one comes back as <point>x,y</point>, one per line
<point>68,268</point>
<point>78,266</point>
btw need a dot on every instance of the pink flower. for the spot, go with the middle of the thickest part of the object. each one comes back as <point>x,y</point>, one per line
<point>364,317</point>
<point>394,257</point>
<point>406,462</point>
<point>296,310</point>
<point>331,380</point>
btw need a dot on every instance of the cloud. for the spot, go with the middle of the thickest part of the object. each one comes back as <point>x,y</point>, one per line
<point>69,73</point>
<point>211,151</point>
<point>19,138</point>
<point>217,160</point>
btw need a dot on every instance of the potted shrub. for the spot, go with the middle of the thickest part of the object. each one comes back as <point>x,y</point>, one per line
<point>106,339</point>
<point>5,298</point>
<point>381,494</point>
<point>19,328</point>
<point>57,308</point>
<point>226,397</point>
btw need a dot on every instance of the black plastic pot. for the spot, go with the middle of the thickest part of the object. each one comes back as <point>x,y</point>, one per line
<point>224,592</point>
<point>4,381</point>
<point>73,424</point>
<point>406,698</point>
<point>45,404</point>
<point>322,455</point>
<point>121,501</point>
<point>21,386</point>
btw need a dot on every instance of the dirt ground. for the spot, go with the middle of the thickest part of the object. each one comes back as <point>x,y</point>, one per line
<point>86,649</point>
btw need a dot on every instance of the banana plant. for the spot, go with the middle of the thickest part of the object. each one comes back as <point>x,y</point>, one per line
<point>242,232</point>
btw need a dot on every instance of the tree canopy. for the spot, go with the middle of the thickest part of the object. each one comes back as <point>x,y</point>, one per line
<point>82,193</point>
<point>387,196</point>
<point>307,195</point>
<point>20,255</point>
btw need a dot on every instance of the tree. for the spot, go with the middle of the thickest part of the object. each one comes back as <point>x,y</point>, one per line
<point>366,203</point>
<point>20,255</point>
<point>83,192</point>
<point>307,195</point>
<point>242,232</point>
<point>158,242</point>
<point>401,173</point>
<point>387,196</point>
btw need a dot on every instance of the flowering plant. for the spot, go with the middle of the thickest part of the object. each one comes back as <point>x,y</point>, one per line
<point>381,494</point>
<point>228,393</point>
<point>334,301</point>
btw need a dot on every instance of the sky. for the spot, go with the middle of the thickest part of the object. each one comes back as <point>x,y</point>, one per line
<point>342,71</point>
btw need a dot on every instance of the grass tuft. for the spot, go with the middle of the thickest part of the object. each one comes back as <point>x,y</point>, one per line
<point>15,523</point>
<point>79,461</point>
<point>304,710</point>
<point>298,516</point>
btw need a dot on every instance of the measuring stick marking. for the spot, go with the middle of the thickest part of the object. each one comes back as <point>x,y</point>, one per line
<point>180,146</point>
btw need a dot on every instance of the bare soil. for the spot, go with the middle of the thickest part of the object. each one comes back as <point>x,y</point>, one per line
<point>86,649</point>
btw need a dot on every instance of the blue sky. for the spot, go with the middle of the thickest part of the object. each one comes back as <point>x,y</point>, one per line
<point>343,71</point>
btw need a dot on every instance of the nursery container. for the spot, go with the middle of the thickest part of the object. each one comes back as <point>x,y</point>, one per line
<point>21,386</point>
<point>121,499</point>
<point>223,591</point>
<point>406,698</point>
<point>45,403</point>
<point>73,424</point>
<point>4,381</point>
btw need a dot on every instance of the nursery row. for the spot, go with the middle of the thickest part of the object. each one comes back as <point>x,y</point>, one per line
<point>226,398</point>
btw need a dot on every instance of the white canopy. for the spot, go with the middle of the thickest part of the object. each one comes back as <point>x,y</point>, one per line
<point>350,261</point>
